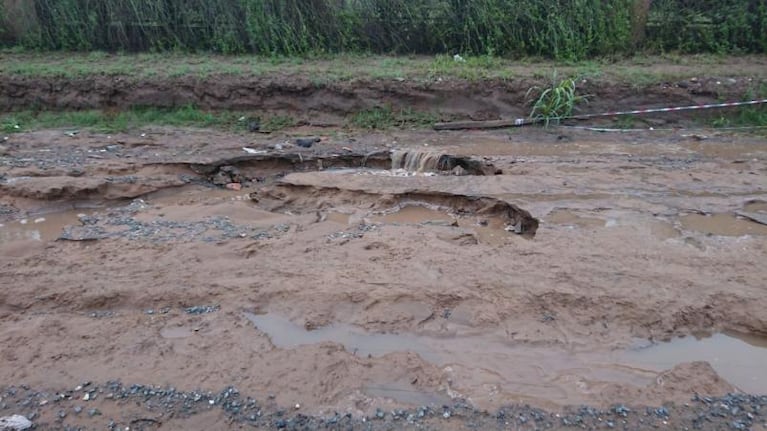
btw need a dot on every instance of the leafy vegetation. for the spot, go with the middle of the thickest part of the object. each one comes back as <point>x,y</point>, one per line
<point>556,101</point>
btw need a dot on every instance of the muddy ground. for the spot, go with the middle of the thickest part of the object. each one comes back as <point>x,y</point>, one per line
<point>184,278</point>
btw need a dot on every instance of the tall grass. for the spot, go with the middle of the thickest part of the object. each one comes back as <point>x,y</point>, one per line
<point>563,29</point>
<point>719,26</point>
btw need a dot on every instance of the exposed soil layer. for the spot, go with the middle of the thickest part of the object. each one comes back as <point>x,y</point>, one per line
<point>328,103</point>
<point>549,268</point>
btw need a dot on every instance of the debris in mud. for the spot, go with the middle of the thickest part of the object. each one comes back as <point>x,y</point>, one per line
<point>307,142</point>
<point>83,233</point>
<point>254,125</point>
<point>202,309</point>
<point>226,175</point>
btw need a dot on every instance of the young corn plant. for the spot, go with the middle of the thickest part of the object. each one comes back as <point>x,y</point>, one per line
<point>555,102</point>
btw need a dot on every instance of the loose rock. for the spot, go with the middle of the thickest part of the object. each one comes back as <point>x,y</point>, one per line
<point>15,423</point>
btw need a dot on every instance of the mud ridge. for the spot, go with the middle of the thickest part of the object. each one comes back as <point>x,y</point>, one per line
<point>296,197</point>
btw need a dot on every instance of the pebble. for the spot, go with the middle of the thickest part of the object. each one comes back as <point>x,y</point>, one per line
<point>202,309</point>
<point>15,423</point>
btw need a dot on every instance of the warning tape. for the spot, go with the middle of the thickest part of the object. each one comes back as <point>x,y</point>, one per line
<point>525,121</point>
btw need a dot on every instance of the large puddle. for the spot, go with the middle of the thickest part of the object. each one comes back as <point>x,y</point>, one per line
<point>42,227</point>
<point>722,225</point>
<point>738,358</point>
<point>484,366</point>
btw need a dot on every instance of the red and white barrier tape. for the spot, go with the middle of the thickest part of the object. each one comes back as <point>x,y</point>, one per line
<point>526,121</point>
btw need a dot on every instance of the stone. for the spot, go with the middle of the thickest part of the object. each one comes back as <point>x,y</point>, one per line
<point>459,171</point>
<point>15,423</point>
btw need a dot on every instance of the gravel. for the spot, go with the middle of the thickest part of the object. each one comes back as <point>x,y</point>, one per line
<point>121,223</point>
<point>731,412</point>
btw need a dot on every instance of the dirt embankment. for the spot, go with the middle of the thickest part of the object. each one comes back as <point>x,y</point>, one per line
<point>303,98</point>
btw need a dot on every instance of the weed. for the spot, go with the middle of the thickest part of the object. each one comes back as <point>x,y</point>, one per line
<point>556,101</point>
<point>376,118</point>
<point>277,122</point>
<point>10,125</point>
<point>385,118</point>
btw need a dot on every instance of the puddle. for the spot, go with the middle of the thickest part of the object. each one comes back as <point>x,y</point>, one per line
<point>663,230</point>
<point>722,224</point>
<point>740,359</point>
<point>286,334</point>
<point>413,214</point>
<point>45,227</point>
<point>491,231</point>
<point>404,393</point>
<point>487,366</point>
<point>472,362</point>
<point>337,217</point>
<point>568,218</point>
<point>756,207</point>
<point>176,332</point>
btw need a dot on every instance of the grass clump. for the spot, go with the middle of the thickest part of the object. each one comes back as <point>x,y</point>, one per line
<point>556,101</point>
<point>746,116</point>
<point>381,118</point>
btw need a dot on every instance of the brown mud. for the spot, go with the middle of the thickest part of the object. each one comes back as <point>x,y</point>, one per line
<point>557,267</point>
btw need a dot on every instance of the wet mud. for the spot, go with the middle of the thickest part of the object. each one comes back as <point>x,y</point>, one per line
<point>368,276</point>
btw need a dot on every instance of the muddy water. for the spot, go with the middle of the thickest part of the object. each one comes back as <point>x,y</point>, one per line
<point>757,207</point>
<point>568,218</point>
<point>722,225</point>
<point>491,231</point>
<point>413,214</point>
<point>483,366</point>
<point>740,359</point>
<point>45,227</point>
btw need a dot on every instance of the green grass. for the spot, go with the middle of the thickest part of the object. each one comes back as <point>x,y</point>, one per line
<point>328,69</point>
<point>386,118</point>
<point>106,122</point>
<point>190,116</point>
<point>277,122</point>
<point>745,116</point>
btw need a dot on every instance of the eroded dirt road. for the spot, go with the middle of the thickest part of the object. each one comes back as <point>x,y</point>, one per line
<point>327,282</point>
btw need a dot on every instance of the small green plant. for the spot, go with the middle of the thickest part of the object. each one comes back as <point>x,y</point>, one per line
<point>556,101</point>
<point>625,122</point>
<point>10,125</point>
<point>381,118</point>
<point>376,118</point>
<point>277,122</point>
